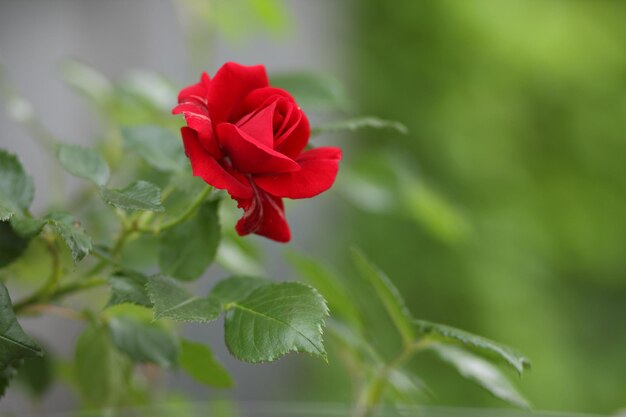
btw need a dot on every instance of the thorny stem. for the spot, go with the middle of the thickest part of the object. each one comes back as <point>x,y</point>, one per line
<point>372,393</point>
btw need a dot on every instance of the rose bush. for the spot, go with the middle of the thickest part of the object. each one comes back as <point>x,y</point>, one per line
<point>249,138</point>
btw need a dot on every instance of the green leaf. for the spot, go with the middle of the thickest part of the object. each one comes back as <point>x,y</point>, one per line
<point>149,88</point>
<point>358,349</point>
<point>352,125</point>
<point>199,362</point>
<point>12,245</point>
<point>140,195</point>
<point>144,342</point>
<point>27,227</point>
<point>14,343</point>
<point>236,288</point>
<point>102,372</point>
<point>485,347</point>
<point>16,187</point>
<point>87,81</point>
<point>6,375</point>
<point>481,372</point>
<point>329,285</point>
<point>73,234</point>
<point>36,375</point>
<point>431,209</point>
<point>84,163</point>
<point>388,294</point>
<point>405,388</point>
<point>276,319</point>
<point>159,147</point>
<point>187,250</point>
<point>128,287</point>
<point>313,91</point>
<point>5,212</point>
<point>171,300</point>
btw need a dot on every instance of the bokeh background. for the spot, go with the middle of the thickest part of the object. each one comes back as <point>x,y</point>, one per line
<point>503,211</point>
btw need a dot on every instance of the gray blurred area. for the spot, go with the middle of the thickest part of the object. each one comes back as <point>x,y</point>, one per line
<point>116,36</point>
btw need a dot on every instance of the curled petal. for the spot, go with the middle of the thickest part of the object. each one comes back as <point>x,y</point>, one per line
<point>259,125</point>
<point>263,215</point>
<point>196,91</point>
<point>292,141</point>
<point>250,156</point>
<point>231,84</point>
<point>318,171</point>
<point>210,170</point>
<point>193,105</point>
<point>262,97</point>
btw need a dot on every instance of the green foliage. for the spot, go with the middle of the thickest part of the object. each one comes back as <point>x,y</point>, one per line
<point>236,288</point>
<point>352,125</point>
<point>5,213</point>
<point>27,227</point>
<point>140,195</point>
<point>157,146</point>
<point>144,342</point>
<point>276,319</point>
<point>187,249</point>
<point>72,233</point>
<point>87,81</point>
<point>84,163</point>
<point>16,187</point>
<point>129,287</point>
<point>12,245</point>
<point>392,378</point>
<point>101,371</point>
<point>388,294</point>
<point>14,343</point>
<point>482,372</point>
<point>388,183</point>
<point>264,320</point>
<point>6,375</point>
<point>329,285</point>
<point>171,300</point>
<point>200,363</point>
<point>36,375</point>
<point>447,334</point>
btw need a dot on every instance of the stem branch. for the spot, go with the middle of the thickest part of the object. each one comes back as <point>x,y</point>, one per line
<point>186,214</point>
<point>372,393</point>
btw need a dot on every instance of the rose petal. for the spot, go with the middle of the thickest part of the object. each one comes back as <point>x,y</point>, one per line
<point>260,125</point>
<point>193,105</point>
<point>196,91</point>
<point>230,85</point>
<point>294,140</point>
<point>264,215</point>
<point>318,171</point>
<point>262,97</point>
<point>250,156</point>
<point>206,167</point>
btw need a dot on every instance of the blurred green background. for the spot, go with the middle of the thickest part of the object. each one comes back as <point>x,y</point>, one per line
<point>509,216</point>
<point>502,211</point>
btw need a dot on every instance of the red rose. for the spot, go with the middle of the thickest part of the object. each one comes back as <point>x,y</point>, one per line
<point>248,138</point>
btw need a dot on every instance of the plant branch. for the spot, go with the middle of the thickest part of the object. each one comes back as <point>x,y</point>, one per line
<point>51,284</point>
<point>59,311</point>
<point>61,291</point>
<point>186,214</point>
<point>372,393</point>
